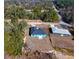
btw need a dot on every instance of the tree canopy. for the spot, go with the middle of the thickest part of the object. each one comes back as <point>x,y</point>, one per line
<point>14,41</point>
<point>36,11</point>
<point>15,11</point>
<point>65,3</point>
<point>53,15</point>
<point>66,8</point>
<point>50,15</point>
<point>14,38</point>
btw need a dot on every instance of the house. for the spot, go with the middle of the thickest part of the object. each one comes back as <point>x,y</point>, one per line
<point>37,32</point>
<point>60,31</point>
<point>61,38</point>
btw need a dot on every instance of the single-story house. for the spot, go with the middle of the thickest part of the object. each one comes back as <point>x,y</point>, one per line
<point>61,38</point>
<point>60,31</point>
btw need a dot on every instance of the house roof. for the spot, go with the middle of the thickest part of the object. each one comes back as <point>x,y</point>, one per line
<point>37,31</point>
<point>60,31</point>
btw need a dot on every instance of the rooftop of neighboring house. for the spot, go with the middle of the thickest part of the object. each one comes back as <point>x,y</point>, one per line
<point>59,30</point>
<point>61,37</point>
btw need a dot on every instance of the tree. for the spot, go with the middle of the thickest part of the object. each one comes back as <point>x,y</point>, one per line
<point>15,42</point>
<point>68,17</point>
<point>22,25</point>
<point>36,11</point>
<point>14,10</point>
<point>7,27</point>
<point>65,3</point>
<point>15,39</point>
<point>47,4</point>
<point>30,16</point>
<point>53,15</point>
<point>67,10</point>
<point>50,15</point>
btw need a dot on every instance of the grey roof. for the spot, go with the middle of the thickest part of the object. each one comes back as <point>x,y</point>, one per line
<point>60,31</point>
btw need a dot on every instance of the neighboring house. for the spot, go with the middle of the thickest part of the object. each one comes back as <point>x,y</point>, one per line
<point>61,38</point>
<point>37,32</point>
<point>60,31</point>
